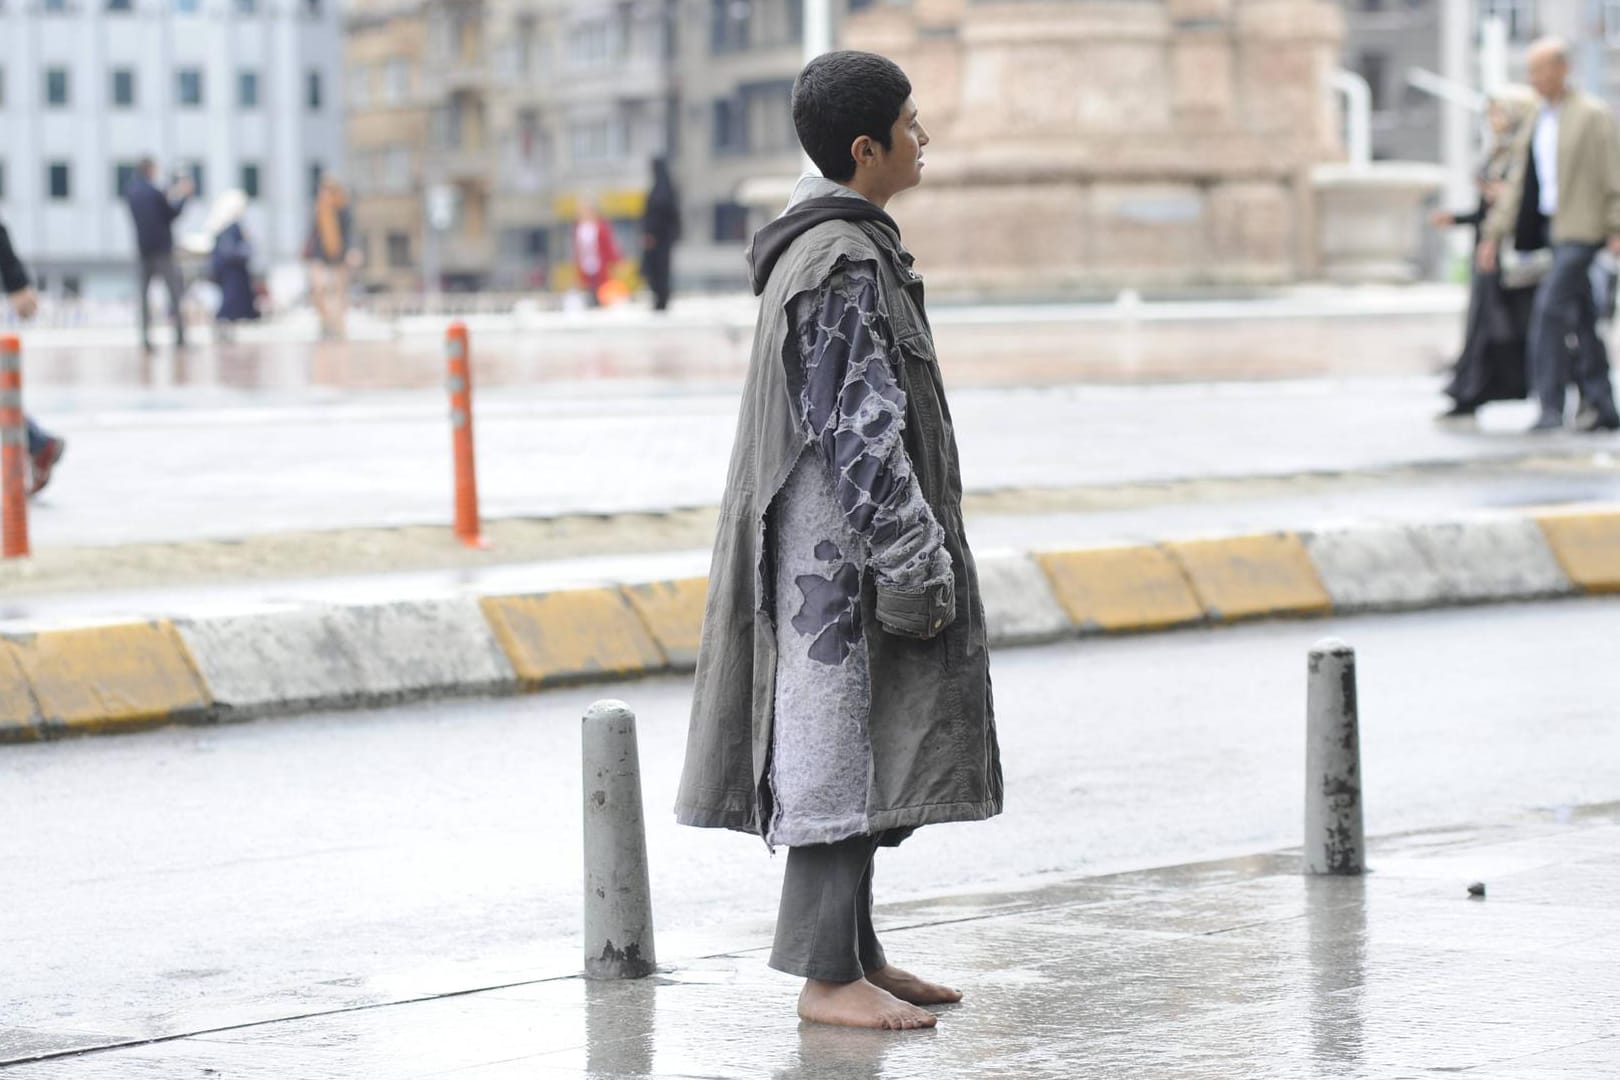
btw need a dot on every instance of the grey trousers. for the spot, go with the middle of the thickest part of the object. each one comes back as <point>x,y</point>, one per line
<point>164,267</point>
<point>1564,303</point>
<point>824,927</point>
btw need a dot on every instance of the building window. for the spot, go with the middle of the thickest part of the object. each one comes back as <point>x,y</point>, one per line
<point>316,171</point>
<point>124,173</point>
<point>399,251</point>
<point>187,7</point>
<point>595,142</point>
<point>250,180</point>
<point>730,223</point>
<point>123,87</point>
<point>1611,22</point>
<point>189,87</point>
<point>120,5</point>
<point>593,44</point>
<point>767,117</point>
<point>730,130</point>
<point>312,91</point>
<point>56,86</point>
<point>247,7</point>
<point>313,8</point>
<point>397,81</point>
<point>360,86</point>
<point>397,169</point>
<point>1519,15</point>
<point>199,177</point>
<point>247,89</point>
<point>59,181</point>
<point>57,7</point>
<point>730,25</point>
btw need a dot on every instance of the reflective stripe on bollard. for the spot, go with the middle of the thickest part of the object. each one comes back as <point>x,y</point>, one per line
<point>13,452</point>
<point>459,383</point>
<point>1334,843</point>
<point>618,898</point>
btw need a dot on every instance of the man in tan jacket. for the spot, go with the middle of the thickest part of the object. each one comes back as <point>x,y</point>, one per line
<point>1563,192</point>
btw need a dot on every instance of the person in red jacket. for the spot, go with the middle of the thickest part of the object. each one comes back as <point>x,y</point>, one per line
<point>595,252</point>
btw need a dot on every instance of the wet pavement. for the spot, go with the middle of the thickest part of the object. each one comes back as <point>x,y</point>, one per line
<point>221,474</point>
<point>1239,968</point>
<point>319,878</point>
<point>707,341</point>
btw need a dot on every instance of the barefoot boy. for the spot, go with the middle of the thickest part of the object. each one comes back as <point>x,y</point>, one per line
<point>843,687</point>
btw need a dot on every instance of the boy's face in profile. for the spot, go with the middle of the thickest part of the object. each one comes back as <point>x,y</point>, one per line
<point>900,167</point>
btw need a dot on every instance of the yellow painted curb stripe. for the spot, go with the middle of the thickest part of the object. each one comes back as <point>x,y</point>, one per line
<point>1245,577</point>
<point>1587,546</point>
<point>18,718</point>
<point>112,677</point>
<point>567,636</point>
<point>1122,588</point>
<point>673,612</point>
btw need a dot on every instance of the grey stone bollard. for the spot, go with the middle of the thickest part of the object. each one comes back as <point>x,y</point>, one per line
<point>1333,833</point>
<point>618,899</point>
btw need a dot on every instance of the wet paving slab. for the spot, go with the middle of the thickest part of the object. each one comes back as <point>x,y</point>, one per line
<point>1239,968</point>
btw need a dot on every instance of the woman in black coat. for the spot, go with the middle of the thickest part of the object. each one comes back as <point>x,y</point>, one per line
<point>231,265</point>
<point>1492,366</point>
<point>660,228</point>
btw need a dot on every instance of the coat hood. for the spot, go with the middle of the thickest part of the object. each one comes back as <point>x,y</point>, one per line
<point>815,200</point>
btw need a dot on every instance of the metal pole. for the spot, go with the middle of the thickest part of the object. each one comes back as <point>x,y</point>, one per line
<point>13,452</point>
<point>618,898</point>
<point>1357,116</point>
<point>1333,835</point>
<point>1457,126</point>
<point>818,28</point>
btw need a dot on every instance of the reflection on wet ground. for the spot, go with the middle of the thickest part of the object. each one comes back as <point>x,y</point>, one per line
<point>1238,968</point>
<point>1031,354</point>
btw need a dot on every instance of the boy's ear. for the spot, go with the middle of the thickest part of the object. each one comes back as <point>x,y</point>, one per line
<point>862,150</point>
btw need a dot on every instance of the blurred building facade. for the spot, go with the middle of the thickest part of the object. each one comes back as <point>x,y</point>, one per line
<point>1078,143</point>
<point>542,105</point>
<point>1085,146</point>
<point>234,93</point>
<point>1386,39</point>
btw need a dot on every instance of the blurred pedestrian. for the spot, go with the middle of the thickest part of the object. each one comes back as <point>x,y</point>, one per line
<point>1564,193</point>
<point>1492,366</point>
<point>660,229</point>
<point>332,256</point>
<point>231,263</point>
<point>153,212</point>
<point>595,252</point>
<point>44,449</point>
<point>842,694</point>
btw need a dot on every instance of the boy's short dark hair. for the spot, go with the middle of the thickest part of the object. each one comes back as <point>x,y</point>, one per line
<point>840,96</point>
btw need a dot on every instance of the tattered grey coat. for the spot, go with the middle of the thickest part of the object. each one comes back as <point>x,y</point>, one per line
<point>931,721</point>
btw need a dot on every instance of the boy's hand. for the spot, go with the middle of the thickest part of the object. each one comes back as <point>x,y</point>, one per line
<point>24,303</point>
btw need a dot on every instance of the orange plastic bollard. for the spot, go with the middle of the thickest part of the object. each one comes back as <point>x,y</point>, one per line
<point>461,431</point>
<point>13,452</point>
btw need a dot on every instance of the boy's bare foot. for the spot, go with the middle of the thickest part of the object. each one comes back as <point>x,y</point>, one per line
<point>859,1004</point>
<point>908,987</point>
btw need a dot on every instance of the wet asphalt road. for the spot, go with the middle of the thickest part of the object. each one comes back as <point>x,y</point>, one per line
<point>191,878</point>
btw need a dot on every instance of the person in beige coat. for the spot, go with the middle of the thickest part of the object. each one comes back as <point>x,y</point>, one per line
<point>1563,193</point>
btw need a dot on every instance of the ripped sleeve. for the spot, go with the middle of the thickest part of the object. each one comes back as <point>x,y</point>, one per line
<point>853,410</point>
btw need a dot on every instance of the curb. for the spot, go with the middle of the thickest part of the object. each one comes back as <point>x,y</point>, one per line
<point>138,675</point>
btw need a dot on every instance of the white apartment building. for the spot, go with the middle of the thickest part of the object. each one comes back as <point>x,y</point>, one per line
<point>234,93</point>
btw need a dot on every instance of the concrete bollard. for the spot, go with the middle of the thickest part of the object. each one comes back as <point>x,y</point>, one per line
<point>618,898</point>
<point>1333,834</point>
